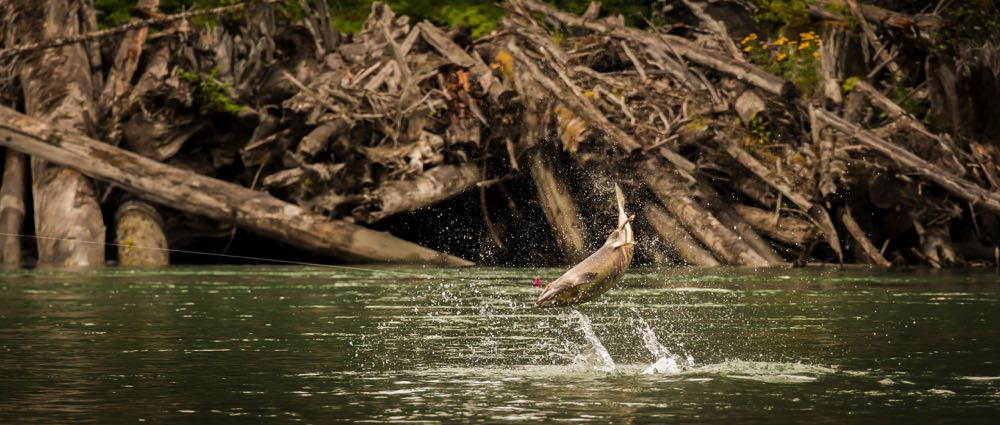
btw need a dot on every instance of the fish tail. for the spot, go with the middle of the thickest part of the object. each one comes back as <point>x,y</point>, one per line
<point>620,199</point>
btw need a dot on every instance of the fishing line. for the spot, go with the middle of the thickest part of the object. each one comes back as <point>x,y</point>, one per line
<point>240,257</point>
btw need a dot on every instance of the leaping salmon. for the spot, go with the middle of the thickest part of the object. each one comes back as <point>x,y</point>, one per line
<point>597,273</point>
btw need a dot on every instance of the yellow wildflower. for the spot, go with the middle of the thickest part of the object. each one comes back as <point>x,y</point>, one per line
<point>816,54</point>
<point>781,41</point>
<point>749,38</point>
<point>780,56</point>
<point>804,45</point>
<point>748,49</point>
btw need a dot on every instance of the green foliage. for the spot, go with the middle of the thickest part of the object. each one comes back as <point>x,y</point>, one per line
<point>211,95</point>
<point>795,59</point>
<point>969,22</point>
<point>760,131</point>
<point>776,16</point>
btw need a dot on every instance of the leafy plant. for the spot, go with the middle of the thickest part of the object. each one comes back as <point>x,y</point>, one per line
<point>795,59</point>
<point>211,95</point>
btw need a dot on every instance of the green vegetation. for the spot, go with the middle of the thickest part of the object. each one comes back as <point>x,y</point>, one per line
<point>795,59</point>
<point>211,95</point>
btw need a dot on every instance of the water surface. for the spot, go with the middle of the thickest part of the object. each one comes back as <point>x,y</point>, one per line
<point>218,344</point>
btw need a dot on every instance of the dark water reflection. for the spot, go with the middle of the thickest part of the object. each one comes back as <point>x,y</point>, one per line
<point>320,345</point>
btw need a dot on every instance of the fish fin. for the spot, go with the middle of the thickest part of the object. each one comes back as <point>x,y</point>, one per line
<point>620,201</point>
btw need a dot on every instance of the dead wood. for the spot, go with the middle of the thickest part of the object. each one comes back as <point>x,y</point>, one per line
<point>862,240</point>
<point>560,209</point>
<point>715,236</point>
<point>139,235</point>
<point>668,43</point>
<point>24,48</point>
<point>676,238</point>
<point>911,163</point>
<point>433,186</point>
<point>815,211</point>
<point>784,228</point>
<point>58,89</point>
<point>12,207</point>
<point>211,198</point>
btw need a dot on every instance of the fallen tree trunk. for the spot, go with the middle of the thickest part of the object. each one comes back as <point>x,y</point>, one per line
<point>436,185</point>
<point>676,238</point>
<point>957,186</point>
<point>215,199</point>
<point>719,239</point>
<point>12,207</point>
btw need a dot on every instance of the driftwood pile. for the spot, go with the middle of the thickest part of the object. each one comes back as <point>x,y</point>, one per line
<point>324,134</point>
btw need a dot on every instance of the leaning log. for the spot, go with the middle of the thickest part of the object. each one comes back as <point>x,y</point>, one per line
<point>790,230</point>
<point>437,184</point>
<point>676,238</point>
<point>864,243</point>
<point>908,161</point>
<point>205,196</point>
<point>560,209</point>
<point>12,207</point>
<point>58,89</point>
<point>719,239</point>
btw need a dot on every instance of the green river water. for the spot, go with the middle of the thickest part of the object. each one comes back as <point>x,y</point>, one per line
<point>317,345</point>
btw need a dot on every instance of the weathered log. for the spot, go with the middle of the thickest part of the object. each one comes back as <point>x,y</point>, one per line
<point>139,236</point>
<point>742,71</point>
<point>437,184</point>
<point>862,241</point>
<point>790,230</point>
<point>676,238</point>
<point>957,186</point>
<point>58,89</point>
<point>12,207</point>
<point>719,239</point>
<point>560,209</point>
<point>816,211</point>
<point>209,197</point>
<point>318,139</point>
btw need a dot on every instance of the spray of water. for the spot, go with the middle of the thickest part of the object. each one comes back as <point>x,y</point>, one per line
<point>608,364</point>
<point>666,362</point>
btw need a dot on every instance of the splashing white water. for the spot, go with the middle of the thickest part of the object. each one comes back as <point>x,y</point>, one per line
<point>666,362</point>
<point>608,364</point>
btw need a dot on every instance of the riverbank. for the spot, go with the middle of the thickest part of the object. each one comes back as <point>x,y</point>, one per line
<point>861,135</point>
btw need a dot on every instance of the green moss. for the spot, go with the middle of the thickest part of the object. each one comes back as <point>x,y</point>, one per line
<point>211,95</point>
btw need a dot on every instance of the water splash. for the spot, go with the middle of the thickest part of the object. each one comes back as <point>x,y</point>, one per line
<point>666,362</point>
<point>608,364</point>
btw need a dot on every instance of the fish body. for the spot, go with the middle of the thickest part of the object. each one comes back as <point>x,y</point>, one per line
<point>597,273</point>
